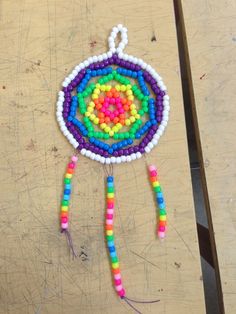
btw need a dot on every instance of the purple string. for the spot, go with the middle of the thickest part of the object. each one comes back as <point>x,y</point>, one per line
<point>144,302</point>
<point>69,241</point>
<point>136,310</point>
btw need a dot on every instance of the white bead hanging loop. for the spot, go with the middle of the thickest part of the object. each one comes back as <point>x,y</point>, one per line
<point>124,38</point>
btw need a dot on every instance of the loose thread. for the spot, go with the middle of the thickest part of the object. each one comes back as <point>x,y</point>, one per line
<point>144,302</point>
<point>69,241</point>
<point>131,305</point>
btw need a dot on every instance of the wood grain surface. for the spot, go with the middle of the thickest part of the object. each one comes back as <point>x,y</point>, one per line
<point>41,41</point>
<point>211,38</point>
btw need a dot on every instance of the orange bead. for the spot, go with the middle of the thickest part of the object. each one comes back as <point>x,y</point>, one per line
<point>101,115</point>
<point>96,101</point>
<point>153,179</point>
<point>162,223</point>
<point>64,214</point>
<point>110,200</point>
<point>122,121</point>
<point>98,106</point>
<point>113,90</point>
<point>122,116</point>
<point>107,119</point>
<point>126,107</point>
<point>129,102</point>
<point>116,94</point>
<point>123,101</point>
<point>69,170</point>
<point>116,271</point>
<point>109,227</point>
<point>101,100</point>
<point>116,120</point>
<point>101,120</point>
<point>109,94</point>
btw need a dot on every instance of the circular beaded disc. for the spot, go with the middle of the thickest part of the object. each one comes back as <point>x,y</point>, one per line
<point>113,107</point>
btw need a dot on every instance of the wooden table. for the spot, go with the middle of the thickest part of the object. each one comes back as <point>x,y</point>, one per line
<point>211,39</point>
<point>41,42</point>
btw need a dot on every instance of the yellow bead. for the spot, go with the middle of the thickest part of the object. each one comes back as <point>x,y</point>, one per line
<point>128,86</point>
<point>97,85</point>
<point>87,114</point>
<point>127,122</point>
<point>94,96</point>
<point>119,126</point>
<point>133,112</point>
<point>111,133</point>
<point>103,125</point>
<point>107,129</point>
<point>132,119</point>
<point>123,88</point>
<point>68,175</point>
<point>137,116</point>
<point>162,218</point>
<point>115,265</point>
<point>132,107</point>
<point>129,92</point>
<point>92,117</point>
<point>96,121</point>
<point>109,232</point>
<point>131,97</point>
<point>64,208</point>
<point>97,91</point>
<point>92,104</point>
<point>155,184</point>
<point>108,88</point>
<point>117,87</point>
<point>115,129</point>
<point>110,195</point>
<point>103,88</point>
<point>90,109</point>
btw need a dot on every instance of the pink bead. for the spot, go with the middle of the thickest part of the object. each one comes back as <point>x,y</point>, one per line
<point>64,219</point>
<point>121,293</point>
<point>152,167</point>
<point>161,234</point>
<point>109,216</point>
<point>103,109</point>
<point>71,165</point>
<point>162,228</point>
<point>116,113</point>
<point>110,211</point>
<point>74,158</point>
<point>119,288</point>
<point>118,282</point>
<point>112,116</point>
<point>112,101</point>
<point>118,100</point>
<point>117,276</point>
<point>109,221</point>
<point>64,225</point>
<point>110,205</point>
<point>121,110</point>
<point>153,173</point>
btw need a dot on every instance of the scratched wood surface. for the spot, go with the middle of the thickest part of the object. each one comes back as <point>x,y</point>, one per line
<point>41,41</point>
<point>211,37</point>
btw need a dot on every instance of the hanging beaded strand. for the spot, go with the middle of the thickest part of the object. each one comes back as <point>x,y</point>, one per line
<point>161,229</point>
<point>110,237</point>
<point>64,214</point>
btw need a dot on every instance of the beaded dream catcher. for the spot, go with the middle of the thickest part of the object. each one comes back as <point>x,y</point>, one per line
<point>113,108</point>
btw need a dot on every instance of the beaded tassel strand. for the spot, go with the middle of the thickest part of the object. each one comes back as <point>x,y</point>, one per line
<point>161,228</point>
<point>110,237</point>
<point>110,198</point>
<point>64,215</point>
